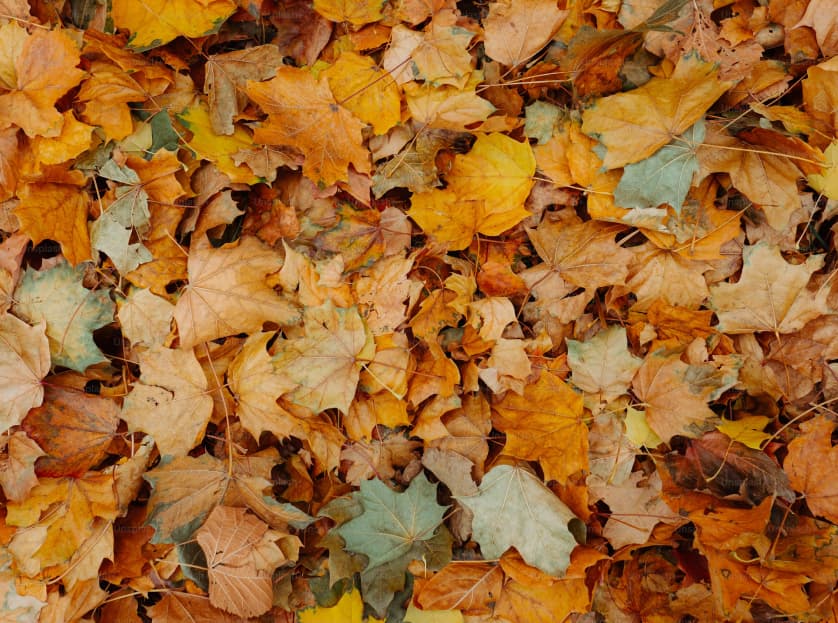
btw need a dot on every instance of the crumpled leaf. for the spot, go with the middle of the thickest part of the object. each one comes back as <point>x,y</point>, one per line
<point>71,312</point>
<point>226,77</point>
<point>505,516</point>
<point>391,523</point>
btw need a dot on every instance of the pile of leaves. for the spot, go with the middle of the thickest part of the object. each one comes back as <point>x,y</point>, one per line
<point>514,311</point>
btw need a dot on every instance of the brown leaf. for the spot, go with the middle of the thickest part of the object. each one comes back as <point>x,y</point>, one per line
<point>73,428</point>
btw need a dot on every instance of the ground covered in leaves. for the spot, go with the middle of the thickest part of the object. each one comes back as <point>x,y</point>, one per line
<point>515,311</point>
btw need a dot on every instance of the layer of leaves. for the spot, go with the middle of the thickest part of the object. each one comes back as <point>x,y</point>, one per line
<point>351,310</point>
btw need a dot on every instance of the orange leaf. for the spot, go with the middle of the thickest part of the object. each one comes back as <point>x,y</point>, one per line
<point>44,69</point>
<point>811,457</point>
<point>545,425</point>
<point>303,113</point>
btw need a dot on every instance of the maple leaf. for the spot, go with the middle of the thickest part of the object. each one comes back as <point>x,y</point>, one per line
<point>505,516</point>
<point>17,473</point>
<point>303,113</point>
<point>390,522</point>
<point>74,430</point>
<point>24,361</point>
<point>545,424</point>
<point>58,535</point>
<point>227,293</point>
<point>365,90</point>
<point>634,125</point>
<point>602,365</point>
<point>226,77</point>
<point>144,317</point>
<point>37,70</point>
<point>155,22</point>
<point>771,295</point>
<point>57,193</point>
<point>170,401</point>
<point>486,192</point>
<point>676,393</point>
<point>71,312</point>
<point>515,31</point>
<point>471,588</point>
<point>186,489</point>
<point>326,363</point>
<point>808,455</point>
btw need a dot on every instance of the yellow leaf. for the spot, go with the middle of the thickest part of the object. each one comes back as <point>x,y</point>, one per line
<point>415,615</point>
<point>216,147</point>
<point>447,107</point>
<point>73,139</point>
<point>827,182</point>
<point>632,126</point>
<point>747,430</point>
<point>445,217</point>
<point>350,609</point>
<point>365,90</point>
<point>498,170</point>
<point>356,12</point>
<point>155,22</point>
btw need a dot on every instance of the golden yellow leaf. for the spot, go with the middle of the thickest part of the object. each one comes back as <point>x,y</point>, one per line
<point>356,12</point>
<point>365,90</point>
<point>155,22</point>
<point>445,217</point>
<point>217,148</point>
<point>634,125</point>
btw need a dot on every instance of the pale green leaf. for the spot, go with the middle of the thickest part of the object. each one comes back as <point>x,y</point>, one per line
<point>513,508</point>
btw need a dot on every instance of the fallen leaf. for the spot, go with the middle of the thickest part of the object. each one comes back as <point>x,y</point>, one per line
<point>602,365</point>
<point>156,22</point>
<point>505,516</point>
<point>545,424</point>
<point>390,522</point>
<point>71,312</point>
<point>240,561</point>
<point>227,293</point>
<point>515,31</point>
<point>24,361</point>
<point>170,401</point>
<point>771,295</point>
<point>634,125</point>
<point>808,456</point>
<point>303,113</point>
<point>74,429</point>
